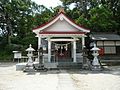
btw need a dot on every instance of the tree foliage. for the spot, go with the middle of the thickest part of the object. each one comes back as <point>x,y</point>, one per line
<point>20,17</point>
<point>98,15</point>
<point>102,20</point>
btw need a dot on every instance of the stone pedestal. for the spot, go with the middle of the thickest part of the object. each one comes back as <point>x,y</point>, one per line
<point>20,66</point>
<point>85,59</point>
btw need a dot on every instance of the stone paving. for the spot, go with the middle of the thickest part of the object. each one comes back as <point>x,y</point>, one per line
<point>10,79</point>
<point>65,82</point>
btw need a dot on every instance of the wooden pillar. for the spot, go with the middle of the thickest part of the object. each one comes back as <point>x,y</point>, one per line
<point>39,41</point>
<point>74,50</point>
<point>39,44</point>
<point>83,42</point>
<point>49,50</point>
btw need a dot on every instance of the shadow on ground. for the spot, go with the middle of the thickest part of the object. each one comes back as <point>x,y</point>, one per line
<point>111,70</point>
<point>114,70</point>
<point>7,64</point>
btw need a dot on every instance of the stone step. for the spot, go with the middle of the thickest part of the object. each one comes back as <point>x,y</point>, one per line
<point>69,65</point>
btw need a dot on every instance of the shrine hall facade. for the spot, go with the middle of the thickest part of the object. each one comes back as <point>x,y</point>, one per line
<point>62,39</point>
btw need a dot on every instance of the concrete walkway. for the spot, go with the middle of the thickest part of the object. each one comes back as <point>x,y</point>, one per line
<point>10,79</point>
<point>65,82</point>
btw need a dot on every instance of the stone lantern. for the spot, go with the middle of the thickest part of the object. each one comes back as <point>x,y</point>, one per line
<point>95,63</point>
<point>40,66</point>
<point>85,59</point>
<point>30,54</point>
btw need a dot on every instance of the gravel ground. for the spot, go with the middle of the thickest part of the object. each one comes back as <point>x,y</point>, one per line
<point>10,79</point>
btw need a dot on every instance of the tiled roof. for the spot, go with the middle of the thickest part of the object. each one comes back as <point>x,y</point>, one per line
<point>105,36</point>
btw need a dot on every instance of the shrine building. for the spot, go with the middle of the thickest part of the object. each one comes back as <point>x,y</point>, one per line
<point>62,39</point>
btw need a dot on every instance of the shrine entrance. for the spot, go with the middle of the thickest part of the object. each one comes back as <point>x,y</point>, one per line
<point>63,51</point>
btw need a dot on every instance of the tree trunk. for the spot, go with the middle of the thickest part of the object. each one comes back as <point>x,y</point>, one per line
<point>9,29</point>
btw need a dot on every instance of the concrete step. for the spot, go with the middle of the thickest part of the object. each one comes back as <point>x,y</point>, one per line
<point>69,65</point>
<point>50,65</point>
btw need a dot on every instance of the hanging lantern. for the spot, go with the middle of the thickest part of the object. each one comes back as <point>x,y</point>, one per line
<point>56,47</point>
<point>66,47</point>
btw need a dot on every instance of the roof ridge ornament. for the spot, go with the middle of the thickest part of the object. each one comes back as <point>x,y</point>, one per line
<point>61,9</point>
<point>61,18</point>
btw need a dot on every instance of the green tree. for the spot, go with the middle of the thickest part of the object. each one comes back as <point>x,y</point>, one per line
<point>13,12</point>
<point>43,16</point>
<point>101,19</point>
<point>95,14</point>
<point>16,16</point>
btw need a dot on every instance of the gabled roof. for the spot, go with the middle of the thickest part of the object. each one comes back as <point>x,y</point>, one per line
<point>61,16</point>
<point>106,36</point>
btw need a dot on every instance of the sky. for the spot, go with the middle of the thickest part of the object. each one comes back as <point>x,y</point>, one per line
<point>48,3</point>
<point>51,3</point>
